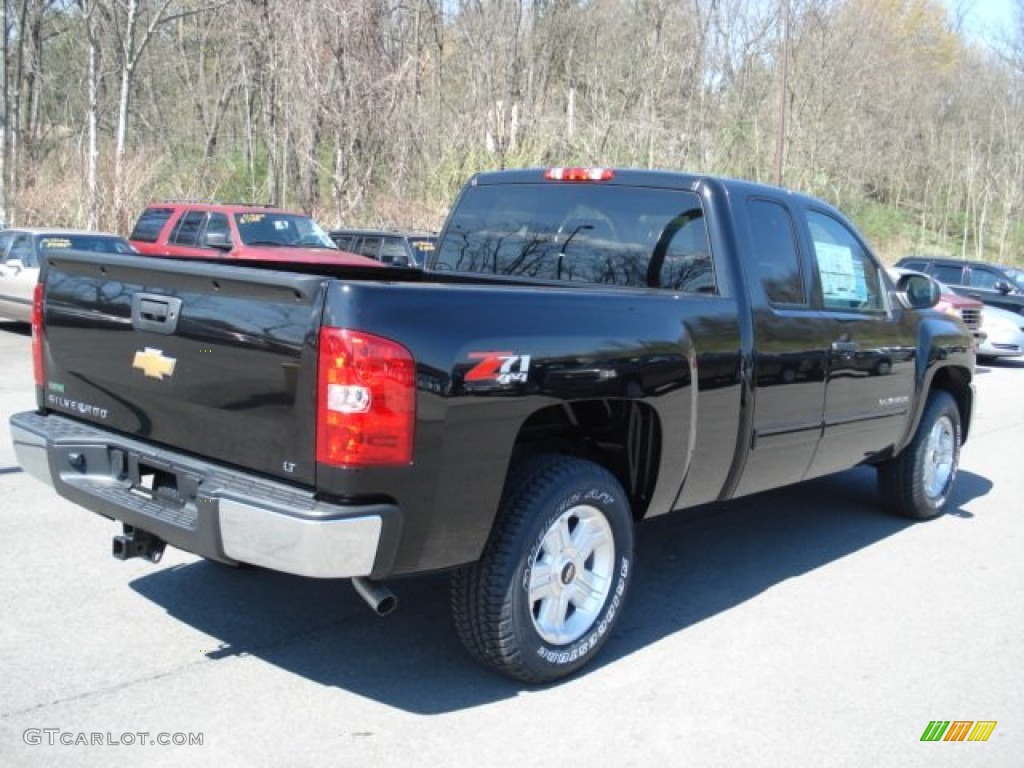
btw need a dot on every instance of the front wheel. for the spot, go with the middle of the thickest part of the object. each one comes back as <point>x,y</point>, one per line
<point>917,482</point>
<point>552,580</point>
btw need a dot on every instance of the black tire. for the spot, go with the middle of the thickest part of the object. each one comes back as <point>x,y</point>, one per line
<point>917,482</point>
<point>562,517</point>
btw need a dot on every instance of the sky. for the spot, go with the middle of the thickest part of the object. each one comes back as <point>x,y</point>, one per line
<point>985,18</point>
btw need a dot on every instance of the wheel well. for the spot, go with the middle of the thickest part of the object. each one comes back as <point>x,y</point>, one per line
<point>623,436</point>
<point>956,381</point>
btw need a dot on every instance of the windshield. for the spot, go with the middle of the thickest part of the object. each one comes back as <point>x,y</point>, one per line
<point>1017,276</point>
<point>287,229</point>
<point>422,248</point>
<point>95,243</point>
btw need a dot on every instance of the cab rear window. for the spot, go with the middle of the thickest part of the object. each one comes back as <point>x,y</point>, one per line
<point>606,235</point>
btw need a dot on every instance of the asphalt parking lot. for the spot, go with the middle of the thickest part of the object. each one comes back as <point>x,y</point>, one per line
<point>801,627</point>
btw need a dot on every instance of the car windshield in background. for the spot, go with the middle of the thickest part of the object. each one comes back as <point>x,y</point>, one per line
<point>605,235</point>
<point>284,229</point>
<point>93,243</point>
<point>1017,276</point>
<point>422,248</point>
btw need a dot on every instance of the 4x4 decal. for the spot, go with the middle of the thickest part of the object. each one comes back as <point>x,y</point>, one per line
<point>499,367</point>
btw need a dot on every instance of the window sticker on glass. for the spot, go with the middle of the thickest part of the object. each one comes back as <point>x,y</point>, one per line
<point>54,242</point>
<point>251,218</point>
<point>842,276</point>
<point>423,245</point>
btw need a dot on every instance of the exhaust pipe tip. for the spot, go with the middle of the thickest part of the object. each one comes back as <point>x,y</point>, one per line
<point>381,600</point>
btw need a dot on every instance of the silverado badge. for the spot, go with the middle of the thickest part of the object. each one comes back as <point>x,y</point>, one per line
<point>153,363</point>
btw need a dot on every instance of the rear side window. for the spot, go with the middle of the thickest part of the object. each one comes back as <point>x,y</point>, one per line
<point>369,246</point>
<point>606,235</point>
<point>22,249</point>
<point>920,266</point>
<point>775,254</point>
<point>187,231</point>
<point>147,228</point>
<point>5,243</point>
<point>951,274</point>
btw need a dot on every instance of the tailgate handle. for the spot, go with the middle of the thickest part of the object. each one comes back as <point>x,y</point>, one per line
<point>156,313</point>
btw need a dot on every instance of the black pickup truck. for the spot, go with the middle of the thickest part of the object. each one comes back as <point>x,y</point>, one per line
<point>588,348</point>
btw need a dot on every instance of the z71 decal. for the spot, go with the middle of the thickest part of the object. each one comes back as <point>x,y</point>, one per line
<point>499,367</point>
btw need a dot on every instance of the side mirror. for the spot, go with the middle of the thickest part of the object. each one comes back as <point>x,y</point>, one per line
<point>218,240</point>
<point>1004,287</point>
<point>921,291</point>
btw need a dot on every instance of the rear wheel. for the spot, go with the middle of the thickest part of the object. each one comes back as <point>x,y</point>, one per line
<point>552,580</point>
<point>917,482</point>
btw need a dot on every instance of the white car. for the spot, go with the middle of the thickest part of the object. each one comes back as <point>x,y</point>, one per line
<point>1005,333</point>
<point>22,251</point>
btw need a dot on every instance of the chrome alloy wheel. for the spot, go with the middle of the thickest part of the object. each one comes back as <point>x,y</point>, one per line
<point>571,575</point>
<point>939,458</point>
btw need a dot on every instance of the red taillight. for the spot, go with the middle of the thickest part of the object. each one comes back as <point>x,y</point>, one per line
<point>366,400</point>
<point>37,336</point>
<point>579,174</point>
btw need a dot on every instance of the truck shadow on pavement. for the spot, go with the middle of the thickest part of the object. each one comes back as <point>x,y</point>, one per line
<point>689,566</point>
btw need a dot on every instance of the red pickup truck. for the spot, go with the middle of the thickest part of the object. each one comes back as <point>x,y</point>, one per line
<point>220,230</point>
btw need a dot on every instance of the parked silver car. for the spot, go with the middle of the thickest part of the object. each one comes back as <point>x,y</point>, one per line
<point>22,252</point>
<point>1004,333</point>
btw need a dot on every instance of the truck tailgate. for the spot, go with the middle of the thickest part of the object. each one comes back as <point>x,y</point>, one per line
<point>212,359</point>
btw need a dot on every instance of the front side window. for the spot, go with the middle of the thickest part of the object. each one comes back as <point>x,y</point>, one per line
<point>218,225</point>
<point>985,278</point>
<point>850,279</point>
<point>606,235</point>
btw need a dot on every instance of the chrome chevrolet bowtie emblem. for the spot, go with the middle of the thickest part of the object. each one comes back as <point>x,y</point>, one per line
<point>153,363</point>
